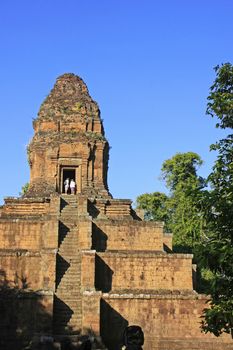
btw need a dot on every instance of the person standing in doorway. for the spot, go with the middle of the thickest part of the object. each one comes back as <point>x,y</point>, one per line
<point>67,185</point>
<point>72,186</point>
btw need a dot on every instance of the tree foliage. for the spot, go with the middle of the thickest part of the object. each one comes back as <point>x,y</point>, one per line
<point>204,218</point>
<point>186,222</point>
<point>220,99</point>
<point>154,205</point>
<point>178,209</point>
<point>180,172</point>
<point>24,189</point>
<point>216,251</point>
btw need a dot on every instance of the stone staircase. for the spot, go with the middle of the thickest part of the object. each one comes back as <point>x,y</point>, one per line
<point>67,300</point>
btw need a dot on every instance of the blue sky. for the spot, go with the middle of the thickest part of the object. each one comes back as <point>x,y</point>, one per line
<point>148,64</point>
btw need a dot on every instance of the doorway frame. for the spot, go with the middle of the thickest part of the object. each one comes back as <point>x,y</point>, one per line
<point>77,179</point>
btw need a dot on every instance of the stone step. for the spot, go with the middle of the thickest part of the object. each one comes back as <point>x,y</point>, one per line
<point>68,288</point>
<point>74,296</point>
<point>68,256</point>
<point>69,270</point>
<point>65,296</point>
<point>71,277</point>
<point>69,201</point>
<point>70,243</point>
<point>68,230</point>
<point>69,197</point>
<point>66,225</point>
<point>75,317</point>
<point>70,238</point>
<point>73,267</point>
<point>74,283</point>
<point>75,320</point>
<point>71,235</point>
<point>68,212</point>
<point>73,264</point>
<point>68,314</point>
<point>71,300</point>
<point>75,323</point>
<point>72,272</point>
<point>68,252</point>
<point>76,259</point>
<point>71,280</point>
<point>69,209</point>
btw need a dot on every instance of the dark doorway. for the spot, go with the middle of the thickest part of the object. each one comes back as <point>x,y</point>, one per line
<point>67,174</point>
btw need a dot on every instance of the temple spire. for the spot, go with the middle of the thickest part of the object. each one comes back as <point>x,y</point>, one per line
<point>69,139</point>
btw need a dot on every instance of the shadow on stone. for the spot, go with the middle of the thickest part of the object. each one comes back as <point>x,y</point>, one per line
<point>112,326</point>
<point>92,210</point>
<point>63,231</point>
<point>62,315</point>
<point>64,203</point>
<point>103,275</point>
<point>62,267</point>
<point>99,239</point>
<point>23,314</point>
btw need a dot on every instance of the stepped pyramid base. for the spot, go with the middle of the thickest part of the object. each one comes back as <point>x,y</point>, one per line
<point>87,263</point>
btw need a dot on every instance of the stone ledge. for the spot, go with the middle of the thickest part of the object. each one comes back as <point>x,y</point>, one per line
<point>213,343</point>
<point>25,252</point>
<point>9,200</point>
<point>5,217</point>
<point>26,293</point>
<point>159,294</point>
<point>144,253</point>
<point>88,252</point>
<point>125,221</point>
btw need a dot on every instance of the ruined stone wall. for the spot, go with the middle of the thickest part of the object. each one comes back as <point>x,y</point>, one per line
<point>168,321</point>
<point>127,235</point>
<point>28,234</point>
<point>132,271</point>
<point>91,312</point>
<point>28,242</point>
<point>21,234</point>
<point>23,269</point>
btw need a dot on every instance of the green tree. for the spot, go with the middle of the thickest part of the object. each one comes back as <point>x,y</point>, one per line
<point>186,221</point>
<point>24,189</point>
<point>178,210</point>
<point>216,251</point>
<point>155,206</point>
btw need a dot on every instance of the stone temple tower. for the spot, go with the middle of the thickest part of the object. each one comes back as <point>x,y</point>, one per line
<point>85,265</point>
<point>69,141</point>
